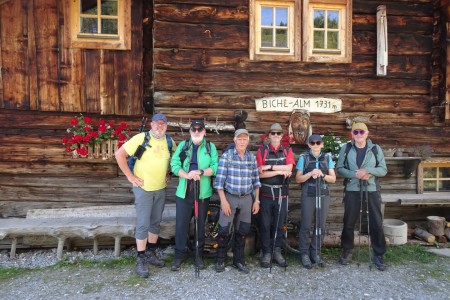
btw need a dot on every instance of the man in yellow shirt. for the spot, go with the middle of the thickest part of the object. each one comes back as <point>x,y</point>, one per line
<point>149,181</point>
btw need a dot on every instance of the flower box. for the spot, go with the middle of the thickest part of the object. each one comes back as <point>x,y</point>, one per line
<point>84,141</point>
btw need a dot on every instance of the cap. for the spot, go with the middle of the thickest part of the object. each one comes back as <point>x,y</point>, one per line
<point>360,126</point>
<point>159,116</point>
<point>276,127</point>
<point>198,123</point>
<point>314,137</point>
<point>241,131</point>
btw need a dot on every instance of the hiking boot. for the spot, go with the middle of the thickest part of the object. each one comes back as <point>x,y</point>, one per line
<point>199,263</point>
<point>316,260</point>
<point>346,257</point>
<point>152,258</point>
<point>265,260</point>
<point>141,266</point>
<point>379,262</point>
<point>306,262</point>
<point>176,265</point>
<point>220,267</point>
<point>278,258</point>
<point>241,267</point>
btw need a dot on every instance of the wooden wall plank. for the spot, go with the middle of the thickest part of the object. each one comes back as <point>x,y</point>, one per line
<point>122,101</point>
<point>284,83</point>
<point>56,169</point>
<point>14,55</point>
<point>240,100</point>
<point>47,55</point>
<point>135,94</point>
<point>203,14</point>
<point>2,104</point>
<point>91,71</point>
<point>411,66</point>
<point>107,80</point>
<point>33,89</point>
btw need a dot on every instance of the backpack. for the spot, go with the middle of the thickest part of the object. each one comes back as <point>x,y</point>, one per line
<point>374,150</point>
<point>265,151</point>
<point>326,158</point>
<point>141,148</point>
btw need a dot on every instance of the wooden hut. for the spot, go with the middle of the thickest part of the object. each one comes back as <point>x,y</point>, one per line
<point>215,60</point>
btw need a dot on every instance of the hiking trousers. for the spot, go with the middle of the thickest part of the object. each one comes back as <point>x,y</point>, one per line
<point>352,203</point>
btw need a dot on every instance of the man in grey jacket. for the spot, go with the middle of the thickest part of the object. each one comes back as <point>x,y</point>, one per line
<point>361,165</point>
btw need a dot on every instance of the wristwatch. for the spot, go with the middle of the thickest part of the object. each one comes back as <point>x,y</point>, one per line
<point>202,172</point>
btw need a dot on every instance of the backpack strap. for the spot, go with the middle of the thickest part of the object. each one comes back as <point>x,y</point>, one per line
<point>169,144</point>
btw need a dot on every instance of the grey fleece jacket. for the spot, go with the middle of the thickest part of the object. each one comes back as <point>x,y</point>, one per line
<point>368,164</point>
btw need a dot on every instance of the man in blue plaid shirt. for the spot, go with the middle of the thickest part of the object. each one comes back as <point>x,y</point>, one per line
<point>237,179</point>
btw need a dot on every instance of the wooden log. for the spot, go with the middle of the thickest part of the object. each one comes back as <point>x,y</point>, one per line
<point>436,225</point>
<point>441,239</point>
<point>424,235</point>
<point>447,232</point>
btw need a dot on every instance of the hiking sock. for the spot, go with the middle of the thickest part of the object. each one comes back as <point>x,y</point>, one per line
<point>141,253</point>
<point>151,246</point>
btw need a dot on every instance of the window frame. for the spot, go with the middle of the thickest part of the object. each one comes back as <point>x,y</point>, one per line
<point>432,164</point>
<point>301,31</point>
<point>90,41</point>
<point>345,30</point>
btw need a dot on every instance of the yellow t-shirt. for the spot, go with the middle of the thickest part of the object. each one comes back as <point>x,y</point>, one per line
<point>154,163</point>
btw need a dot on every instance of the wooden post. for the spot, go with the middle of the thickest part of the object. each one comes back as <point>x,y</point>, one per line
<point>117,246</point>
<point>12,254</point>
<point>95,246</point>
<point>59,250</point>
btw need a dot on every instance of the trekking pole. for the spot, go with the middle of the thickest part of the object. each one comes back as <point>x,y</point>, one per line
<point>360,218</point>
<point>143,123</point>
<point>285,218</point>
<point>280,200</point>
<point>319,218</point>
<point>368,222</point>
<point>197,256</point>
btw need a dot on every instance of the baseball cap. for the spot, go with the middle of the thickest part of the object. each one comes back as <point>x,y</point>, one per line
<point>159,116</point>
<point>360,126</point>
<point>241,131</point>
<point>198,123</point>
<point>314,137</point>
<point>276,127</point>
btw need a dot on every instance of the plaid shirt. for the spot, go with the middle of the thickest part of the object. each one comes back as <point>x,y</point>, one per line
<point>236,175</point>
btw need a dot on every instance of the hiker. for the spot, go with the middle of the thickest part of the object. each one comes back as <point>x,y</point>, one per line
<point>275,163</point>
<point>150,177</point>
<point>194,162</point>
<point>361,162</point>
<point>237,179</point>
<point>315,170</point>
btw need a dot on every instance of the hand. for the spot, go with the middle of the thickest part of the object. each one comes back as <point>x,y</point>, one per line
<point>136,181</point>
<point>361,173</point>
<point>194,175</point>
<point>255,207</point>
<point>286,174</point>
<point>225,206</point>
<point>316,173</point>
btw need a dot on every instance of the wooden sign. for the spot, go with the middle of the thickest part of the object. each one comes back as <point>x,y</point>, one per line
<point>320,104</point>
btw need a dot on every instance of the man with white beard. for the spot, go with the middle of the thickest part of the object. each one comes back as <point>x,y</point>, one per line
<point>194,162</point>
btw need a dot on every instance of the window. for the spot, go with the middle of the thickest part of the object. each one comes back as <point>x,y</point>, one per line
<point>100,24</point>
<point>301,30</point>
<point>435,177</point>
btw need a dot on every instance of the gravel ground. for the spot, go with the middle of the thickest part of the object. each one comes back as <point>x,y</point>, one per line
<point>407,281</point>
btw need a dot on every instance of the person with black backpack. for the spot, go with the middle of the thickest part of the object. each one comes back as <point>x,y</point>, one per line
<point>362,162</point>
<point>315,170</point>
<point>149,177</point>
<point>275,163</point>
<point>195,161</point>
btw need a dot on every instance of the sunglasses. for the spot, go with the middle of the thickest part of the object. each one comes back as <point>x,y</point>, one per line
<point>198,129</point>
<point>276,133</point>
<point>356,132</point>
<point>315,143</point>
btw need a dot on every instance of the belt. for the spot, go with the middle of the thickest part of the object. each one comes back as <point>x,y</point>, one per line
<point>242,195</point>
<point>274,186</point>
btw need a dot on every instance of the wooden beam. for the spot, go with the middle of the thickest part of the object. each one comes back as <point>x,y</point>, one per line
<point>4,1</point>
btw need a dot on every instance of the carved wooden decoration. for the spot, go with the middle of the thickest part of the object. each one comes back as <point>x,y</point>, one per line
<point>382,41</point>
<point>300,126</point>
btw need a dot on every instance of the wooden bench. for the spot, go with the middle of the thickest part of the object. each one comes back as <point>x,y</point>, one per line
<point>88,222</point>
<point>418,199</point>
